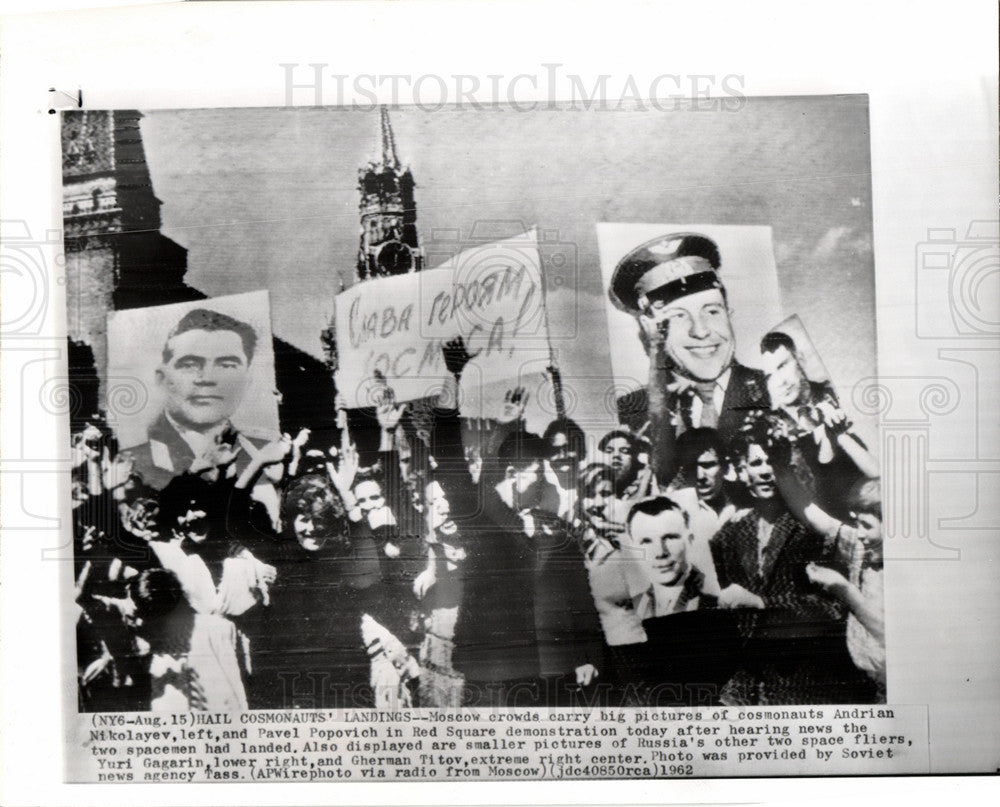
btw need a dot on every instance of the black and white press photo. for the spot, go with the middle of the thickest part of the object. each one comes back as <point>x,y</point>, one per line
<point>517,402</point>
<point>428,409</point>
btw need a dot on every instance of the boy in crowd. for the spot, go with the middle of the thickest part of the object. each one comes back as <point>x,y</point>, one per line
<point>861,591</point>
<point>794,651</point>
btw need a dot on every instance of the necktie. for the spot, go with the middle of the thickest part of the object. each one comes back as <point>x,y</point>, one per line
<point>706,391</point>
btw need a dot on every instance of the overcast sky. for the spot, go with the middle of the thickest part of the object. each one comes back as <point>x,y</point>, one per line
<point>267,198</point>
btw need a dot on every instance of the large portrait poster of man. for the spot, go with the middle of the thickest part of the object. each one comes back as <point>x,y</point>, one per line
<point>200,368</point>
<point>752,295</point>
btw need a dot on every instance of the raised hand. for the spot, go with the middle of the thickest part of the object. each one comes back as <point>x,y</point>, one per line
<point>780,430</point>
<point>514,403</point>
<point>653,334</point>
<point>831,581</point>
<point>84,445</point>
<point>273,452</point>
<point>217,455</point>
<point>91,536</point>
<point>780,440</point>
<point>135,520</point>
<point>296,454</point>
<point>340,404</point>
<point>834,418</point>
<point>456,355</point>
<point>388,412</point>
<point>342,474</point>
<point>116,472</point>
<point>301,438</point>
<point>735,596</point>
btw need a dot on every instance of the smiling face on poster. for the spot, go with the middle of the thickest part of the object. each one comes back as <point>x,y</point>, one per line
<point>706,327</point>
<point>693,299</point>
<point>198,368</point>
<point>790,362</point>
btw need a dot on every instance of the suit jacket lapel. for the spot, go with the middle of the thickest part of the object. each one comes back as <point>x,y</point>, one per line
<point>779,535</point>
<point>734,389</point>
<point>685,403</point>
<point>692,588</point>
<point>747,547</point>
<point>181,454</point>
<point>737,401</point>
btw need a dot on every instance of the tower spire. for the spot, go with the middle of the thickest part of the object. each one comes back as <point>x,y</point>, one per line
<point>389,243</point>
<point>388,141</point>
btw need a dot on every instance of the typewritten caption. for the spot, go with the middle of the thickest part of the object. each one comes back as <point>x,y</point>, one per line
<point>429,745</point>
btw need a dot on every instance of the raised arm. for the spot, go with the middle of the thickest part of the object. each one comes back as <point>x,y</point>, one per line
<point>868,612</point>
<point>446,442</point>
<point>662,430</point>
<point>269,454</point>
<point>300,440</point>
<point>342,473</point>
<point>389,414</point>
<point>841,429</point>
<point>797,496</point>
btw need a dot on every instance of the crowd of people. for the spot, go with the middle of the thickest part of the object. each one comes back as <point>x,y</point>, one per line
<point>722,544</point>
<point>662,566</point>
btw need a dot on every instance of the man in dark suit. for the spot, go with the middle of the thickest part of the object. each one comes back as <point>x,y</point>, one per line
<point>203,373</point>
<point>672,287</point>
<point>795,649</point>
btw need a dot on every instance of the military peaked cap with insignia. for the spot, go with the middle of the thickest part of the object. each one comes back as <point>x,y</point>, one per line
<point>666,268</point>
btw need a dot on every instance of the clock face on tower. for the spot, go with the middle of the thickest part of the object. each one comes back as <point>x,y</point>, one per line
<point>395,258</point>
